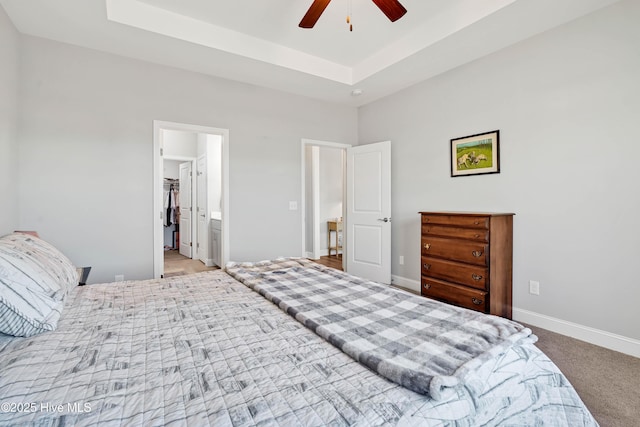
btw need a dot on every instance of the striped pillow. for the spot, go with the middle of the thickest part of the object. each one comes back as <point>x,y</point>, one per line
<point>34,281</point>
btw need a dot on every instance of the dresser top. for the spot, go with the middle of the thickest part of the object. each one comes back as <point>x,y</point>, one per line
<point>466,213</point>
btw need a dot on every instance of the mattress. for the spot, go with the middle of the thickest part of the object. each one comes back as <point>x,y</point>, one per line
<point>205,349</point>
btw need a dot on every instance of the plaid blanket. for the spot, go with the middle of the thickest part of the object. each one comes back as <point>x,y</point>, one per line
<point>422,344</point>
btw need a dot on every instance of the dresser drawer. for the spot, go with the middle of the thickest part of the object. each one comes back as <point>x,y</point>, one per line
<point>455,294</point>
<point>456,220</point>
<point>467,258</point>
<point>478,234</point>
<point>464,274</point>
<point>456,250</point>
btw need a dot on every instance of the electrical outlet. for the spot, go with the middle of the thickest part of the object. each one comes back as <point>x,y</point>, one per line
<point>534,287</point>
<point>119,277</point>
<point>401,260</point>
<point>293,206</point>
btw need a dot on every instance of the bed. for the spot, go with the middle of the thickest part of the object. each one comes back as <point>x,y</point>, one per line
<point>259,344</point>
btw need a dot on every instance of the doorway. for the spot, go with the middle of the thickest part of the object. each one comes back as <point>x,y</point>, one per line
<point>205,149</point>
<point>366,207</point>
<point>323,200</point>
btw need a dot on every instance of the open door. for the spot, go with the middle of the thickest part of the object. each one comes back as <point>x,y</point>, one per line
<point>185,209</point>
<point>201,209</point>
<point>368,232</point>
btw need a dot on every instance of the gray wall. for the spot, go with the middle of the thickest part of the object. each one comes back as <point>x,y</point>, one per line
<point>180,144</point>
<point>86,139</point>
<point>567,104</point>
<point>9,42</point>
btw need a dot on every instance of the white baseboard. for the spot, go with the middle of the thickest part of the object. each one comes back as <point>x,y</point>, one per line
<point>598,337</point>
<point>323,252</point>
<point>408,284</point>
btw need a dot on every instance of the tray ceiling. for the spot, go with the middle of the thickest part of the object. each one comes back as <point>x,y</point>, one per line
<point>259,42</point>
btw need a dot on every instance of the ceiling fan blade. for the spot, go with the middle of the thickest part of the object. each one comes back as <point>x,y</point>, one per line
<point>313,14</point>
<point>392,8</point>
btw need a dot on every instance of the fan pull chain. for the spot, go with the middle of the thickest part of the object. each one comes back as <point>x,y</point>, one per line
<point>349,15</point>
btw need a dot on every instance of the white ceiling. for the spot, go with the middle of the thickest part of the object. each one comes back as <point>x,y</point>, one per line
<point>259,42</point>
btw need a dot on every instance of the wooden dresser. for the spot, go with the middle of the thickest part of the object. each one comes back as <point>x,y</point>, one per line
<point>467,259</point>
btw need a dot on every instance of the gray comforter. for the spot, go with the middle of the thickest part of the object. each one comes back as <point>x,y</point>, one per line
<point>205,350</point>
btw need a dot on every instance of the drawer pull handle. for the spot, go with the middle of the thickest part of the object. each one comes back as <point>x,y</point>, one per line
<point>476,277</point>
<point>476,254</point>
<point>476,301</point>
<point>476,236</point>
<point>427,246</point>
<point>476,222</point>
<point>426,286</point>
<point>427,266</point>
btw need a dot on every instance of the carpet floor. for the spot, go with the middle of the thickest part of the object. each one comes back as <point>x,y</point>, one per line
<point>607,381</point>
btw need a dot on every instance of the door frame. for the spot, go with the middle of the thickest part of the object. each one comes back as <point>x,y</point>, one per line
<point>158,172</point>
<point>303,214</point>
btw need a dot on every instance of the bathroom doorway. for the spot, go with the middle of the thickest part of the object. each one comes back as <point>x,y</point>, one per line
<point>206,232</point>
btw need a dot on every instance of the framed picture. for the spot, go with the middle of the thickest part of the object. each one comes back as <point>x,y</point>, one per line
<point>476,154</point>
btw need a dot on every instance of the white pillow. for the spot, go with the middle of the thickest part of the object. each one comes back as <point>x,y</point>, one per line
<point>34,281</point>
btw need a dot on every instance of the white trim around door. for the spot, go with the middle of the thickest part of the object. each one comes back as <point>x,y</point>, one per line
<point>158,215</point>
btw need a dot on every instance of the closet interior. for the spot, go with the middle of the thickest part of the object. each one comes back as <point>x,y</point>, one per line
<point>171,214</point>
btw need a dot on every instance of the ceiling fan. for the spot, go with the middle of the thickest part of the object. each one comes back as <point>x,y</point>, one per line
<point>392,8</point>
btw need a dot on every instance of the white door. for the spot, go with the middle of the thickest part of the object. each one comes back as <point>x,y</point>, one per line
<point>185,209</point>
<point>368,222</point>
<point>201,209</point>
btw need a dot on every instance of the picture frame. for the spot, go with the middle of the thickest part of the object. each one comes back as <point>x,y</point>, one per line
<point>476,154</point>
